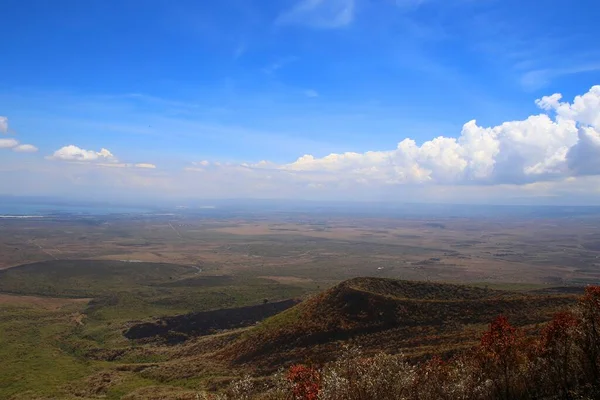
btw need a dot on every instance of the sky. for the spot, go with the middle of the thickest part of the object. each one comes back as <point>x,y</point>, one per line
<point>459,101</point>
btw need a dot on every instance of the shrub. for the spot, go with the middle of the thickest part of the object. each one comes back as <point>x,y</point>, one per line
<point>305,382</point>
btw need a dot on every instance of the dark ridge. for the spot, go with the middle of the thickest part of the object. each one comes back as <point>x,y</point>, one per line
<point>178,328</point>
<point>397,310</point>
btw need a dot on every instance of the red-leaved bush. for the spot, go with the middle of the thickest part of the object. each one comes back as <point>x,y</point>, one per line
<point>306,382</point>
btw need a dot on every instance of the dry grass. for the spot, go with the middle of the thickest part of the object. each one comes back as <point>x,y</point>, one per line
<point>324,248</point>
<point>47,303</point>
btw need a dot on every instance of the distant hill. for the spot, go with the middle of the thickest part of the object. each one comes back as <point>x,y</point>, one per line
<point>386,314</point>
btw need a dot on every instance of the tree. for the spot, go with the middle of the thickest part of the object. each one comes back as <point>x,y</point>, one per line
<point>589,331</point>
<point>559,351</point>
<point>499,350</point>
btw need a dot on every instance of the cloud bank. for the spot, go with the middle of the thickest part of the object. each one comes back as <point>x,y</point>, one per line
<point>561,142</point>
<point>552,154</point>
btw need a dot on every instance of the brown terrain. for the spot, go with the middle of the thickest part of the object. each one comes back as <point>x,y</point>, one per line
<point>142,307</point>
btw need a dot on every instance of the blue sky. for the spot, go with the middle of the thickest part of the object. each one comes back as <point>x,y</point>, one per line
<point>235,82</point>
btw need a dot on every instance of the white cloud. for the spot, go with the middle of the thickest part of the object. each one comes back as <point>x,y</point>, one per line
<point>550,155</point>
<point>102,158</point>
<point>74,153</point>
<point>3,124</point>
<point>200,166</point>
<point>8,143</point>
<point>145,165</point>
<point>13,143</point>
<point>543,147</point>
<point>584,157</point>
<point>311,93</point>
<point>585,108</point>
<point>25,148</point>
<point>323,14</point>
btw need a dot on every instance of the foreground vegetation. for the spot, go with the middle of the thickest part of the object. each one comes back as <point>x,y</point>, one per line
<point>66,332</point>
<point>562,361</point>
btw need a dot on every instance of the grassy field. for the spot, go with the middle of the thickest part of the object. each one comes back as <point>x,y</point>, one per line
<point>30,348</point>
<point>49,344</point>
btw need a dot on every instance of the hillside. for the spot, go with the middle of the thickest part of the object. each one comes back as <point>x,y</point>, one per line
<point>385,314</point>
<point>180,327</point>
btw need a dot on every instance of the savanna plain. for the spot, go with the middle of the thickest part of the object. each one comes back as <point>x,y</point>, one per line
<point>192,305</point>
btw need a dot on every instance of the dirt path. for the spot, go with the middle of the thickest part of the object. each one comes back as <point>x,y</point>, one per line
<point>176,231</point>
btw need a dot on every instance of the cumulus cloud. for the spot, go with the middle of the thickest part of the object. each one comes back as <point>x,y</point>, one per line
<point>25,148</point>
<point>585,109</point>
<point>563,141</point>
<point>323,14</point>
<point>554,152</point>
<point>3,124</point>
<point>13,143</point>
<point>102,158</point>
<point>74,153</point>
<point>584,157</point>
<point>8,143</point>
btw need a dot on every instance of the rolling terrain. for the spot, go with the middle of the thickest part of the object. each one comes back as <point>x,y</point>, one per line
<point>126,330</point>
<point>141,307</point>
<point>415,318</point>
<point>72,314</point>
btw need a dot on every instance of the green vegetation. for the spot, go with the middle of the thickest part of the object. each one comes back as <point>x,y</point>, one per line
<point>87,278</point>
<point>78,348</point>
<point>30,349</point>
<point>123,291</point>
